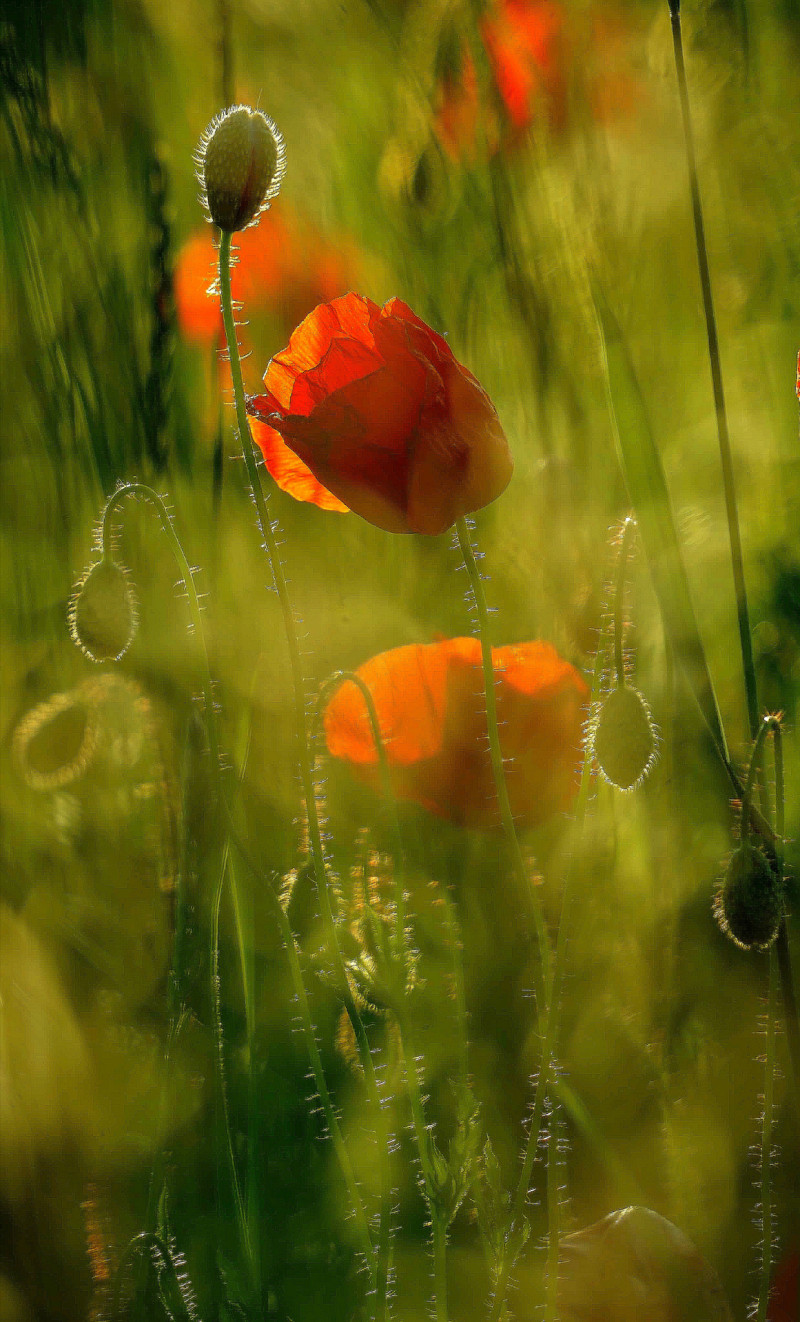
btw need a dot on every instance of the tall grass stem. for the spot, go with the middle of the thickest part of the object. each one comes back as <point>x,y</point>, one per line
<point>728,481</point>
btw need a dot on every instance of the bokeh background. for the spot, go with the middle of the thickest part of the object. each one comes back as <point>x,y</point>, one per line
<point>486,163</point>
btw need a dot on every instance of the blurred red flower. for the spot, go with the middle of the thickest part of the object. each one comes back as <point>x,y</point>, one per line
<point>534,56</point>
<point>431,705</point>
<point>373,402</point>
<point>282,263</point>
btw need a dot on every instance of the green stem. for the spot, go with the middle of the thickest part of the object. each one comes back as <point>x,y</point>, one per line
<point>765,1266</point>
<point>439,1233</point>
<point>335,681</point>
<point>628,532</point>
<point>315,1058</point>
<point>544,978</point>
<point>553,1214</point>
<point>115,502</point>
<point>728,482</point>
<point>267,531</point>
<point>545,1081</point>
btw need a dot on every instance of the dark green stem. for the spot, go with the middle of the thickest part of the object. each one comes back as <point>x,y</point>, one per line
<point>728,481</point>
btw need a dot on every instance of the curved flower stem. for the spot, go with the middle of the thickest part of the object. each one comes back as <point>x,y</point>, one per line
<point>335,681</point>
<point>496,755</point>
<point>728,481</point>
<point>267,530</point>
<point>115,502</point>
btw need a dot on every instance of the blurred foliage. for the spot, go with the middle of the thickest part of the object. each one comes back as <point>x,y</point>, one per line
<point>405,159</point>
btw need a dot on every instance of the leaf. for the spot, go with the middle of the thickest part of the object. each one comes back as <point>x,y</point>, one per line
<point>647,488</point>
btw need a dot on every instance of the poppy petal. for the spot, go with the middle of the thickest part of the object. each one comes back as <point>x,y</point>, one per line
<point>431,708</point>
<point>289,471</point>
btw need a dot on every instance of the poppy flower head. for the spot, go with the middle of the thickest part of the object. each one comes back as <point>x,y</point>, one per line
<point>431,707</point>
<point>374,403</point>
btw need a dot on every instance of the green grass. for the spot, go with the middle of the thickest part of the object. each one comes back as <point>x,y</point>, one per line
<point>168,1028</point>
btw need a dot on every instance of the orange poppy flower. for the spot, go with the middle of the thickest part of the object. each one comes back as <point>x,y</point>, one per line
<point>375,405</point>
<point>431,706</point>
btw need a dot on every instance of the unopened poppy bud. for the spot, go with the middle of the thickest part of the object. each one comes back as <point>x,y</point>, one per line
<point>240,165</point>
<point>624,738</point>
<point>103,615</point>
<point>749,906</point>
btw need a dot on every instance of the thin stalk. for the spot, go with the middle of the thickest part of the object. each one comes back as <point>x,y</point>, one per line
<point>317,1069</point>
<point>115,501</point>
<point>628,532</point>
<point>439,1233</point>
<point>495,752</point>
<point>438,1221</point>
<point>335,681</point>
<point>267,530</point>
<point>765,1163</point>
<point>745,637</point>
<point>728,481</point>
<point>545,1079</point>
<point>553,1215</point>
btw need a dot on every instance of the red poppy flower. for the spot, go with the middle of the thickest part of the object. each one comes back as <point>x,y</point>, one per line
<point>374,403</point>
<point>282,263</point>
<point>534,54</point>
<point>431,706</point>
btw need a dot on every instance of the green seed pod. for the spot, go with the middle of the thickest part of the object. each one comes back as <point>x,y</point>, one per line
<point>103,615</point>
<point>624,738</point>
<point>240,164</point>
<point>750,904</point>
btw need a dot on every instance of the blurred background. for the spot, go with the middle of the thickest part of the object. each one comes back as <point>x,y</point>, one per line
<point>486,163</point>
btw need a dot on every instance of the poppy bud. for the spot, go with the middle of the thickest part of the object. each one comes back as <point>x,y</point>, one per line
<point>749,906</point>
<point>102,614</point>
<point>624,738</point>
<point>240,165</point>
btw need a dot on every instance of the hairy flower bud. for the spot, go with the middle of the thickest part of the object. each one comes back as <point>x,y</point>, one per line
<point>749,906</point>
<point>103,615</point>
<point>624,738</point>
<point>240,164</point>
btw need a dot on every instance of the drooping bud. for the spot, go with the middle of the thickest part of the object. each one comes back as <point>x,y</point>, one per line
<point>240,164</point>
<point>750,903</point>
<point>103,615</point>
<point>624,738</point>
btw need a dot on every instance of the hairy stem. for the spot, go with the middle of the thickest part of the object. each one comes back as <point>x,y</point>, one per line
<point>267,531</point>
<point>544,976</point>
